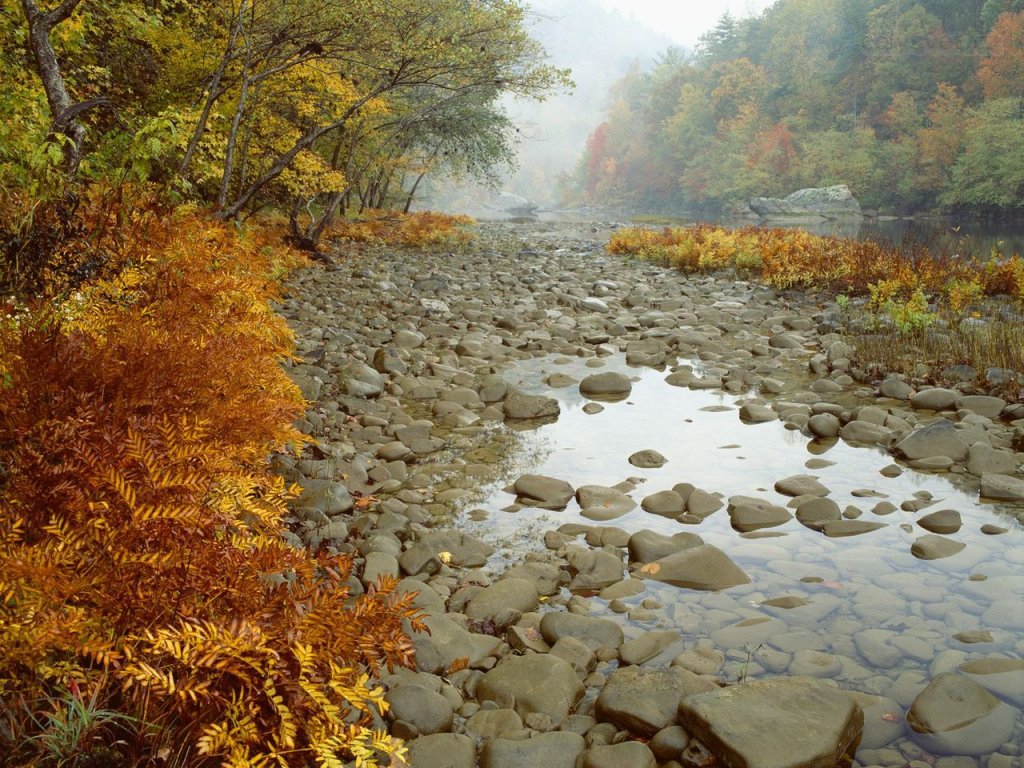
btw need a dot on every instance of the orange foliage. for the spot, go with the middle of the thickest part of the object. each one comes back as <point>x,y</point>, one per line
<point>1002,73</point>
<point>790,258</point>
<point>141,550</point>
<point>423,229</point>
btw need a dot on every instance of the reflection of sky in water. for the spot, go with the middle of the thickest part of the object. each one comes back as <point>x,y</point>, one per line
<point>715,451</point>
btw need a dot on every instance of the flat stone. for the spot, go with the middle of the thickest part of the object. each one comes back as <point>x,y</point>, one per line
<point>423,710</point>
<point>608,383</point>
<point>1001,487</point>
<point>895,388</point>
<point>1002,677</point>
<point>747,517</point>
<point>327,496</point>
<point>647,646</point>
<point>814,513</point>
<point>811,724</point>
<point>442,750</point>
<point>559,749</point>
<point>494,723</point>
<point>664,503</point>
<point>647,459</point>
<point>542,491</point>
<point>864,432</point>
<point>983,405</point>
<point>934,398</point>
<point>643,701</point>
<point>982,458</point>
<point>503,602</point>
<point>536,682</point>
<point>700,567</point>
<point>932,547</point>
<point>647,546</point>
<point>754,413</point>
<point>836,529</point>
<point>520,406</point>
<point>598,502</point>
<point>593,632</point>
<point>594,569</point>
<point>956,716</point>
<point>939,438</point>
<point>626,754</point>
<point>943,521</point>
<point>801,485</point>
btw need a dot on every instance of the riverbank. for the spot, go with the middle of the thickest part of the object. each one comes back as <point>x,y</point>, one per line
<point>588,641</point>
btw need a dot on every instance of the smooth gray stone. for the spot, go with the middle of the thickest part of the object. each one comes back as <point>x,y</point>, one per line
<point>775,723</point>
<point>643,701</point>
<point>560,749</point>
<point>536,683</point>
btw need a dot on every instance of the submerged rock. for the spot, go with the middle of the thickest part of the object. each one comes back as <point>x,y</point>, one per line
<point>956,716</point>
<point>700,567</point>
<point>795,722</point>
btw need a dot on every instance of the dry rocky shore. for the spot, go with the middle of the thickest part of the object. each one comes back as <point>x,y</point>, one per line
<point>575,653</point>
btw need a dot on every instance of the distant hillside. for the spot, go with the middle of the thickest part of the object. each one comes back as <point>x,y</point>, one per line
<point>914,105</point>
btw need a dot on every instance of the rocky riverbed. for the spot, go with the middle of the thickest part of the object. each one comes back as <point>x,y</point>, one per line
<point>655,519</point>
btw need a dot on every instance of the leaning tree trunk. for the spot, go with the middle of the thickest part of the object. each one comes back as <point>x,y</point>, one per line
<point>61,113</point>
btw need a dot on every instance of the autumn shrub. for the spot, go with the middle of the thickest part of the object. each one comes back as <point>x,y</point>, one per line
<point>149,603</point>
<point>422,229</point>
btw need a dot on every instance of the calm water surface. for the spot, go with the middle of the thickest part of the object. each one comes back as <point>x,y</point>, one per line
<point>866,582</point>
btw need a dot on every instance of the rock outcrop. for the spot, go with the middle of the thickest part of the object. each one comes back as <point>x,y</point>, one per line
<point>835,202</point>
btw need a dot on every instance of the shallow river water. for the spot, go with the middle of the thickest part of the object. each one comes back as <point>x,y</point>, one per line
<point>862,610</point>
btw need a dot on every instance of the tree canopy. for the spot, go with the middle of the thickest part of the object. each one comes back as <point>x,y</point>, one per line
<point>914,105</point>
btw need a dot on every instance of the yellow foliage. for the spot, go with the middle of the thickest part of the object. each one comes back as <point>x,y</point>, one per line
<point>423,229</point>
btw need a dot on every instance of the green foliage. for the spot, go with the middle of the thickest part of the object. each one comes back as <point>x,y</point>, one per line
<point>898,100</point>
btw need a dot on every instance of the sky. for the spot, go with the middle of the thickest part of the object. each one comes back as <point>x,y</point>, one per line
<point>684,21</point>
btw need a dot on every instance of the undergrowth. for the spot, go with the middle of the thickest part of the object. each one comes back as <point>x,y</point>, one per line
<point>422,229</point>
<point>151,612</point>
<point>921,306</point>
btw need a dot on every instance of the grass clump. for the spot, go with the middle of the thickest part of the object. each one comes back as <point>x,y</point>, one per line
<point>918,306</point>
<point>422,229</point>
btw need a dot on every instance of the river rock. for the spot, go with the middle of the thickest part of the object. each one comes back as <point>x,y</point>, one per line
<point>932,547</point>
<point>625,754</point>
<point>1001,487</point>
<point>647,459</point>
<point>503,602</point>
<point>593,569</point>
<point>823,425</point>
<point>795,722</point>
<point>520,406</point>
<point>327,496</point>
<point>559,749</point>
<point>864,432</point>
<point>664,503</point>
<point>420,710</point>
<point>754,413</point>
<point>536,682</point>
<point>542,491</point>
<point>895,388</point>
<point>609,383</point>
<point>801,485</point>
<point>982,458</point>
<point>643,701</point>
<point>598,502</point>
<point>1001,676</point>
<point>646,546</point>
<point>445,642</point>
<point>934,399</point>
<point>701,567</point>
<point>592,632</point>
<point>442,750</point>
<point>943,521</point>
<point>462,550</point>
<point>956,716</point>
<point>939,438</point>
<point>814,513</point>
<point>648,646</point>
<point>751,517</point>
<point>983,405</point>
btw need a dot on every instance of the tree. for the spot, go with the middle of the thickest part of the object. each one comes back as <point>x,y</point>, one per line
<point>1002,72</point>
<point>989,174</point>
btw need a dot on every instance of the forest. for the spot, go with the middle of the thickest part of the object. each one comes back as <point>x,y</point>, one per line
<point>163,164</point>
<point>916,105</point>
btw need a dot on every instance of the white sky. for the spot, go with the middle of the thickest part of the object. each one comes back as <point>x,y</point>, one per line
<point>684,21</point>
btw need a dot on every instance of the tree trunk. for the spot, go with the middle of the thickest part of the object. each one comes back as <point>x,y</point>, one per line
<point>214,93</point>
<point>40,25</point>
<point>229,154</point>
<point>412,192</point>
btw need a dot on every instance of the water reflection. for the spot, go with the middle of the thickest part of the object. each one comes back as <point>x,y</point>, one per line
<point>887,621</point>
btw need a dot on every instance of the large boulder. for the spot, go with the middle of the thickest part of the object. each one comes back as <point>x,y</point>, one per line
<point>643,701</point>
<point>796,722</point>
<point>535,683</point>
<point>816,202</point>
<point>955,715</point>
<point>700,567</point>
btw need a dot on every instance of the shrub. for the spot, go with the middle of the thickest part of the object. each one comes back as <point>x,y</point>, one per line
<point>142,563</point>
<point>423,229</point>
